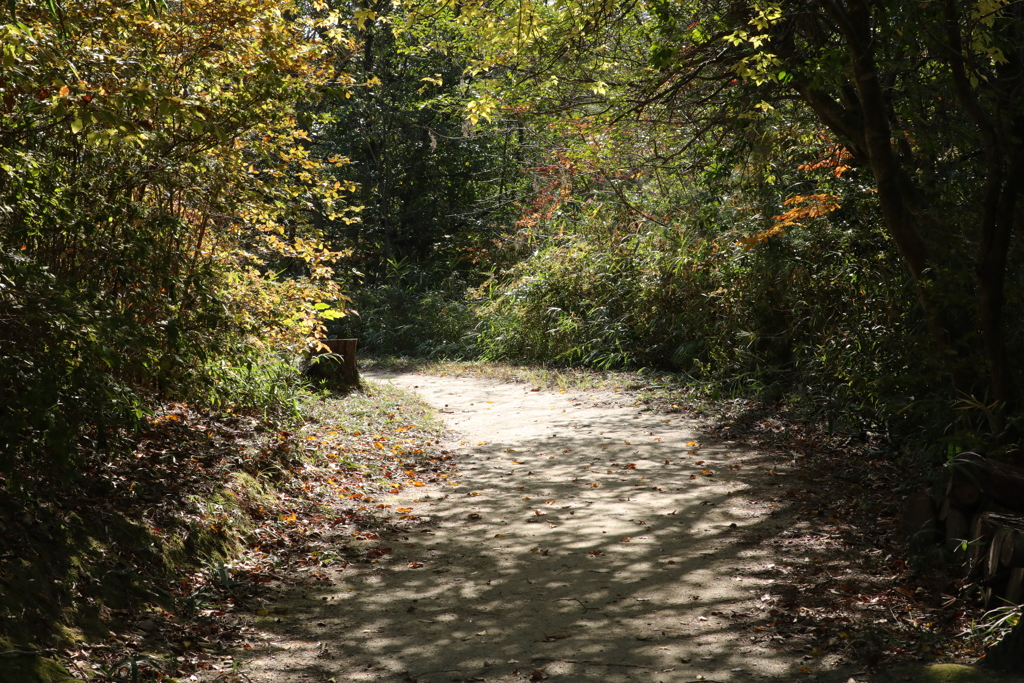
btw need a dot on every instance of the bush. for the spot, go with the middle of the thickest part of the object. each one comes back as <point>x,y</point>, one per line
<point>395,320</point>
<point>761,317</point>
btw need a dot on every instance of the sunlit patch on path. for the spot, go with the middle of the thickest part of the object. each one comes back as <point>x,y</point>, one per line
<point>582,538</point>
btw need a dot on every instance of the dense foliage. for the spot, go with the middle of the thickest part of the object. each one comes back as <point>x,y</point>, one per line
<point>814,200</point>
<point>808,196</point>
<point>152,183</point>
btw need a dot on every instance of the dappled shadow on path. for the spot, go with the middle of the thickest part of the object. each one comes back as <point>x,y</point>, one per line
<point>586,541</point>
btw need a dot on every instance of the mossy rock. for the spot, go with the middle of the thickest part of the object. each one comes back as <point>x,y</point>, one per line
<point>31,669</point>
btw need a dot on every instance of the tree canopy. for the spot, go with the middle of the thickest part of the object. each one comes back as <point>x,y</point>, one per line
<point>674,183</point>
<point>923,103</point>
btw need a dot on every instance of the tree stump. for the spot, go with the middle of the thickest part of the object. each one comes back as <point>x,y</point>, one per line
<point>333,361</point>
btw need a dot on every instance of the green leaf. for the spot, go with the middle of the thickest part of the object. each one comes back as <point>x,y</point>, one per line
<point>77,125</point>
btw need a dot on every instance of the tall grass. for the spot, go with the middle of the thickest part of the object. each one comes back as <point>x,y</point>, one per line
<point>821,314</point>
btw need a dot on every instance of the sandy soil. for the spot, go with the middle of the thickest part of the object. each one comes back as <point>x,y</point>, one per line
<point>587,540</point>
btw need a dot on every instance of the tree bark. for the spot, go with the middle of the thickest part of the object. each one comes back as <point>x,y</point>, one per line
<point>1005,176</point>
<point>870,134</point>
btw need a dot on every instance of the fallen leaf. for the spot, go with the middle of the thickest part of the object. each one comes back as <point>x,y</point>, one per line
<point>557,635</point>
<point>538,675</point>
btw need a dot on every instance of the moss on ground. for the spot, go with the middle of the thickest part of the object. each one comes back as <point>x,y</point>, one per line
<point>949,673</point>
<point>30,669</point>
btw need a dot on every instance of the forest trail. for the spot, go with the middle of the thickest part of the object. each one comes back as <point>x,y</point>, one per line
<point>588,539</point>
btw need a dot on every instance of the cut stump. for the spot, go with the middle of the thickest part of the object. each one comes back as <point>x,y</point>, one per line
<point>333,361</point>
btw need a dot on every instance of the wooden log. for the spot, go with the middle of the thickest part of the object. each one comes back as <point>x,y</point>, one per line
<point>994,549</point>
<point>334,360</point>
<point>980,537</point>
<point>975,477</point>
<point>957,529</point>
<point>918,523</point>
<point>964,487</point>
<point>1013,585</point>
<point>1012,552</point>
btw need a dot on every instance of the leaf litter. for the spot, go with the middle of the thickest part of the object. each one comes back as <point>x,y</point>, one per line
<point>317,504</point>
<point>271,505</point>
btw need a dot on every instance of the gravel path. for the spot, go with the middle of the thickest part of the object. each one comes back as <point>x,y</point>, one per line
<point>587,540</point>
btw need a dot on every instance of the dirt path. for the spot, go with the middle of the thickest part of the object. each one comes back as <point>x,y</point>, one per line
<point>587,540</point>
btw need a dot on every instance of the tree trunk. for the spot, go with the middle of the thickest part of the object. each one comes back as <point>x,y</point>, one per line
<point>975,476</point>
<point>870,135</point>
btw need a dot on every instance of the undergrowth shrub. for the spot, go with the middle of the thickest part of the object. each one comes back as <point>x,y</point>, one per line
<point>823,315</point>
<point>408,315</point>
<point>142,226</point>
